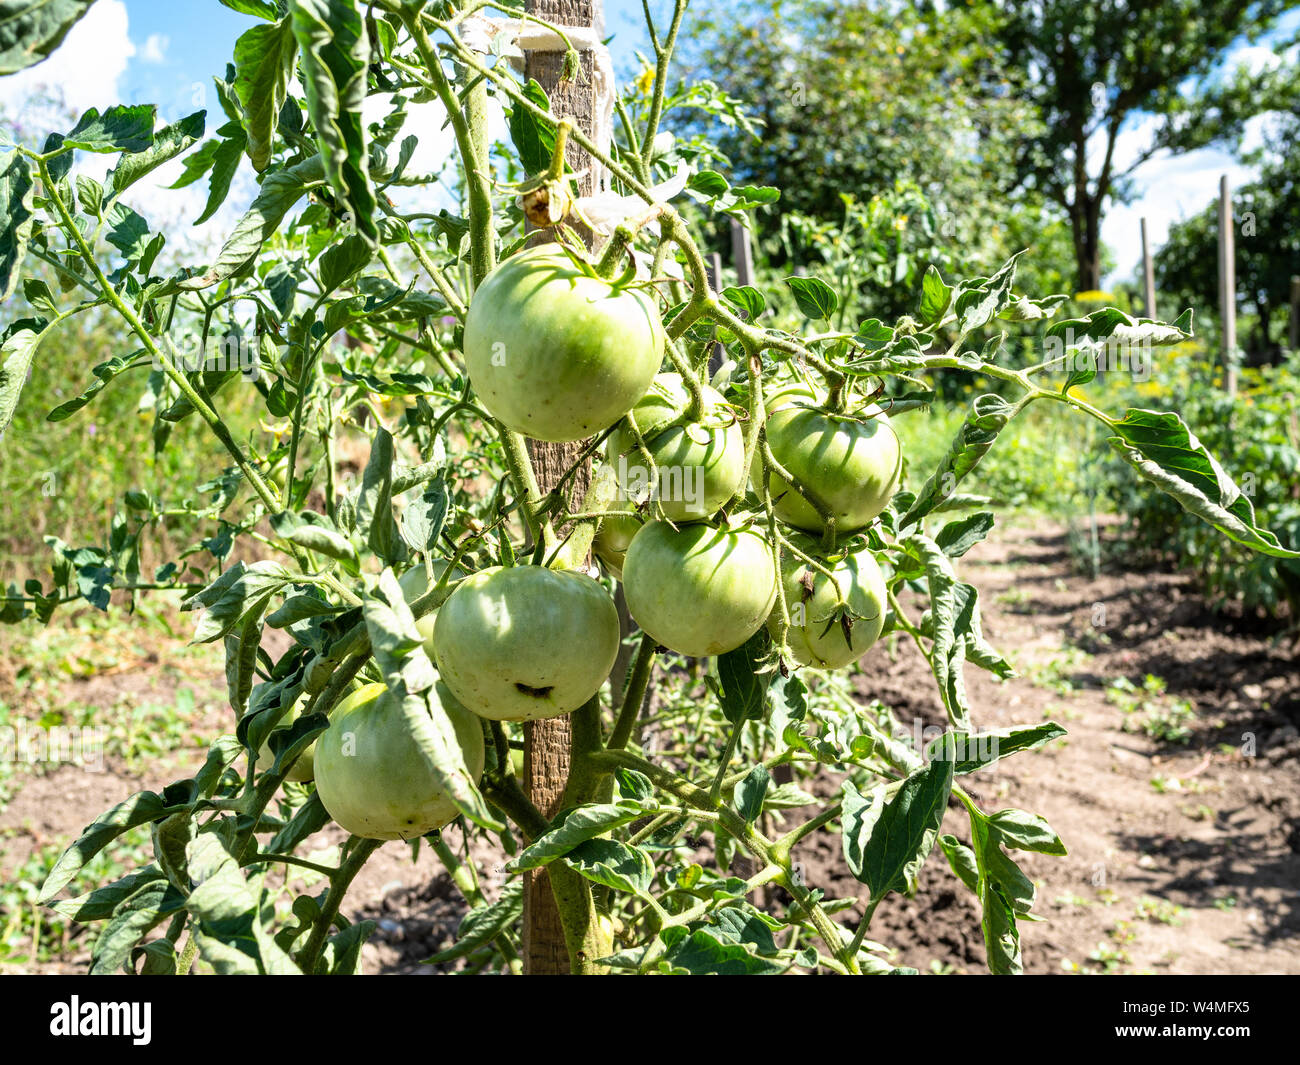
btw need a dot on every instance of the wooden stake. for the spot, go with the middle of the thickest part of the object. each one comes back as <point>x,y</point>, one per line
<point>741,254</point>
<point>718,353</point>
<point>1227,286</point>
<point>547,743</point>
<point>1294,329</point>
<point>1148,277</point>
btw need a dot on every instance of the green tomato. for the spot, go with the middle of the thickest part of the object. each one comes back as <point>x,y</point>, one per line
<point>370,773</point>
<point>527,642</point>
<point>614,536</point>
<point>557,354</point>
<point>302,768</point>
<point>816,635</point>
<point>414,583</point>
<point>852,464</point>
<point>698,465</point>
<point>698,589</point>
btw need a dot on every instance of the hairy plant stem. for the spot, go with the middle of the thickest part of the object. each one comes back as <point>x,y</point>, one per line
<point>264,491</point>
<point>469,127</point>
<point>773,854</point>
<point>362,849</point>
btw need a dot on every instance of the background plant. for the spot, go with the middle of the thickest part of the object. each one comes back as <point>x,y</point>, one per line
<point>350,302</point>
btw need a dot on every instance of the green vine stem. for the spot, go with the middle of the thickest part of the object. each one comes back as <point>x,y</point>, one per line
<point>361,850</point>
<point>219,429</point>
<point>768,853</point>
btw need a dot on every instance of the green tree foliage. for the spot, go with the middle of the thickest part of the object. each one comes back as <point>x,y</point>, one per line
<point>1087,70</point>
<point>1268,249</point>
<point>884,128</point>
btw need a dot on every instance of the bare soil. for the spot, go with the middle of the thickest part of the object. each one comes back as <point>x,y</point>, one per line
<point>1184,858</point>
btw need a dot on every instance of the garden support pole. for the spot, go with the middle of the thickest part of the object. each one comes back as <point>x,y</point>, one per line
<point>717,353</point>
<point>1227,286</point>
<point>547,743</point>
<point>1148,277</point>
<point>1293,334</point>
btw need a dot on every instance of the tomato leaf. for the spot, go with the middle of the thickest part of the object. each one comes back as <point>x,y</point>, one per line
<point>30,30</point>
<point>16,354</point>
<point>815,298</point>
<point>281,189</point>
<point>139,809</point>
<point>1165,452</point>
<point>264,58</point>
<point>617,866</point>
<point>168,143</point>
<point>741,689</point>
<point>533,138</point>
<point>751,792</point>
<point>16,221</point>
<point>484,923</point>
<point>227,914</point>
<point>975,751</point>
<point>885,843</point>
<point>962,860</point>
<point>124,128</point>
<point>935,296</point>
<point>578,826</point>
<point>958,537</point>
<point>1027,832</point>
<point>374,504</point>
<point>335,57</point>
<point>988,416</point>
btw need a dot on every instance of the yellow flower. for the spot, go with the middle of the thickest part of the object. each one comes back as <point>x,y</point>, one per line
<point>645,81</point>
<point>900,222</point>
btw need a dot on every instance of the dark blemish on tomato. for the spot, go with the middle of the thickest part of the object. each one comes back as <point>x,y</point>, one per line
<point>536,693</point>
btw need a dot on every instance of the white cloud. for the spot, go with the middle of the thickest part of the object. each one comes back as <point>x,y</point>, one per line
<point>155,48</point>
<point>1174,189</point>
<point>83,72</point>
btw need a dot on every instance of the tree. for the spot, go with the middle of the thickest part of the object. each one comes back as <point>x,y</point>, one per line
<point>1267,214</point>
<point>862,108</point>
<point>459,342</point>
<point>1087,70</point>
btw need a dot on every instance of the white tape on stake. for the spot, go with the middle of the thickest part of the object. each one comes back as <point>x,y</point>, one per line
<point>479,32</point>
<point>604,210</point>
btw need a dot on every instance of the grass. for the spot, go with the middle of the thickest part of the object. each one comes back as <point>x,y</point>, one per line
<point>30,933</point>
<point>1149,710</point>
<point>1161,911</point>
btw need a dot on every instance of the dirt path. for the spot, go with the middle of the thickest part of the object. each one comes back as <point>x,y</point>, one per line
<point>1183,857</point>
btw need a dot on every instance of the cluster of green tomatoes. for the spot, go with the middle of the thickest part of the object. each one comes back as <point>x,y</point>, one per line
<point>558,353</point>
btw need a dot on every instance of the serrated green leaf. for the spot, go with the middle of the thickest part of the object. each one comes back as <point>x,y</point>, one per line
<point>815,298</point>
<point>1165,452</point>
<point>139,809</point>
<point>886,843</point>
<point>264,58</point>
<point>335,55</point>
<point>168,143</point>
<point>16,220</point>
<point>124,128</point>
<point>30,30</point>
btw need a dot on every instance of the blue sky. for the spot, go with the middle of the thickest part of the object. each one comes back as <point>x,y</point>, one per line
<point>165,52</point>
<point>193,47</point>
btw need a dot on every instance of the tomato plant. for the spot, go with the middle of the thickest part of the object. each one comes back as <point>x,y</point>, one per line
<point>371,774</point>
<point>455,352</point>
<point>555,351</point>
